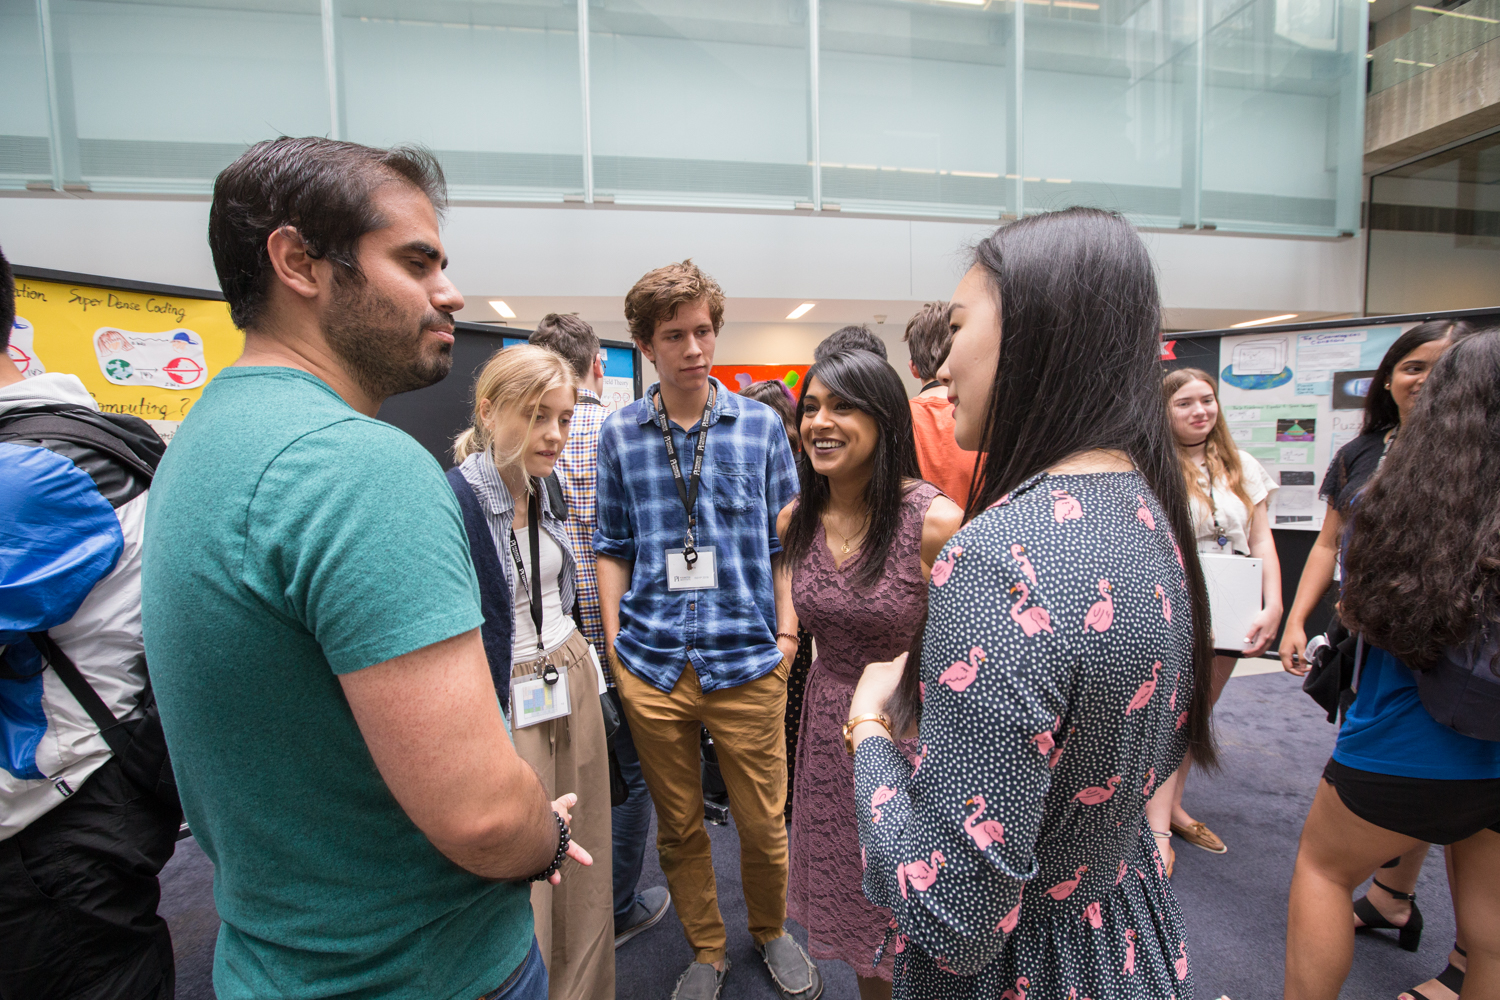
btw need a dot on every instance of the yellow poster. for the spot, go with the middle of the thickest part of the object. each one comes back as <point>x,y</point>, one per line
<point>147,354</point>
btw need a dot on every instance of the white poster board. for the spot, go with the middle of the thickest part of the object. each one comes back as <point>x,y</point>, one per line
<point>1278,392</point>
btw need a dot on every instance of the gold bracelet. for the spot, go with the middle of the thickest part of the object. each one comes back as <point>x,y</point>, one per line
<point>860,719</point>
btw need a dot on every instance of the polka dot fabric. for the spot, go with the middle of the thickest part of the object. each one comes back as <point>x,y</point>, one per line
<point>1057,670</point>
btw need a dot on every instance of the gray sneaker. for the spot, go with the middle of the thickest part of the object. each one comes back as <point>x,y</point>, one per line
<point>650,906</point>
<point>794,975</point>
<point>700,982</point>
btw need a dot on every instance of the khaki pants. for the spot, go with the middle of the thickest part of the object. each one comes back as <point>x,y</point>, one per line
<point>750,737</point>
<point>575,921</point>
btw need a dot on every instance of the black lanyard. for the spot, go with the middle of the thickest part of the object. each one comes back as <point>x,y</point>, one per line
<point>931,385</point>
<point>532,588</point>
<point>688,494</point>
<point>1220,537</point>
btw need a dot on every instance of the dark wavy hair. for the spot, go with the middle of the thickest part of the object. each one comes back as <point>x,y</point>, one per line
<point>1079,369</point>
<point>870,385</point>
<point>1381,413</point>
<point>1424,550</point>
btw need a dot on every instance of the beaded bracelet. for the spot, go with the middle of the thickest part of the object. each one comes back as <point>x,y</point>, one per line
<point>563,838</point>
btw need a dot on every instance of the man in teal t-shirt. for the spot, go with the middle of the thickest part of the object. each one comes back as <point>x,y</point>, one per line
<point>311,612</point>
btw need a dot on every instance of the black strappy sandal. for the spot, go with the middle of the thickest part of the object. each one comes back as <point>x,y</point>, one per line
<point>1451,978</point>
<point>1410,934</point>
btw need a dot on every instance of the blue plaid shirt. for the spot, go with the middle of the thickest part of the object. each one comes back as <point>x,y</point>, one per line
<point>729,634</point>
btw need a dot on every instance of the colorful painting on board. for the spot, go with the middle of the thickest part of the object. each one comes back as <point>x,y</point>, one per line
<point>739,376</point>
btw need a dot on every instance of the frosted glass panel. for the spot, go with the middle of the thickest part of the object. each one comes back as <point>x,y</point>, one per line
<point>1283,115</point>
<point>24,132</point>
<point>492,88</point>
<point>166,95</point>
<point>914,101</point>
<point>701,101</point>
<point>1109,90</point>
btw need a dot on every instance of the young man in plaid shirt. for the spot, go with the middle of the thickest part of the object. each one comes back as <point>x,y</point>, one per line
<point>698,620</point>
<point>577,471</point>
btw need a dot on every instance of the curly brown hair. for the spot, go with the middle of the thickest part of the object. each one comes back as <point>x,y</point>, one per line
<point>659,293</point>
<point>1424,550</point>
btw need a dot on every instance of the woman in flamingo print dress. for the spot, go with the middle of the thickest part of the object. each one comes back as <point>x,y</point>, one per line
<point>1064,654</point>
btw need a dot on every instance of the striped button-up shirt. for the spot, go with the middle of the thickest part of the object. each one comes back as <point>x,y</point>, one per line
<point>577,470</point>
<point>500,510</point>
<point>729,633</point>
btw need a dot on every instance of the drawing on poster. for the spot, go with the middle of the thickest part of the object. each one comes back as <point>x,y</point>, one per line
<point>1258,364</point>
<point>22,349</point>
<point>170,360</point>
<point>1296,429</point>
<point>1350,389</point>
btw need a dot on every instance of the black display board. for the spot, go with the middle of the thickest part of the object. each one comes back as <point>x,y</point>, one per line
<point>435,415</point>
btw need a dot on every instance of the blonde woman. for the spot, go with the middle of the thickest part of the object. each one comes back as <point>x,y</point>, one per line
<point>523,404</point>
<point>1228,489</point>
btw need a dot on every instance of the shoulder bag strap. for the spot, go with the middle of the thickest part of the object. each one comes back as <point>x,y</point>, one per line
<point>72,677</point>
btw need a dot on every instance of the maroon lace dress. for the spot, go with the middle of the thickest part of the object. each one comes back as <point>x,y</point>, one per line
<point>853,626</point>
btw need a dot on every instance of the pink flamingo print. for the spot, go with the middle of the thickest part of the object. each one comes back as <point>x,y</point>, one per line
<point>1032,620</point>
<point>1064,889</point>
<point>1172,701</point>
<point>1095,795</point>
<point>1129,951</point>
<point>1094,915</point>
<point>1065,507</point>
<point>899,944</point>
<point>1161,872</point>
<point>984,832</point>
<point>1182,720</point>
<point>1180,966</point>
<point>1019,993</point>
<point>1057,752</point>
<point>1046,741</point>
<point>1166,603</point>
<point>999,503</point>
<point>921,874</point>
<point>1150,784</point>
<point>943,568</point>
<point>1018,553</point>
<point>882,795</point>
<point>1010,920</point>
<point>1119,876</point>
<point>917,766</point>
<point>959,676</point>
<point>1102,613</point>
<point>1146,690</point>
<point>1143,513</point>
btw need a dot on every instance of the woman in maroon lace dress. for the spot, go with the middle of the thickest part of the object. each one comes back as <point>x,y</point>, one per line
<point>859,543</point>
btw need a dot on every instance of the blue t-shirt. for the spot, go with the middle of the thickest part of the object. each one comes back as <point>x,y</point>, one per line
<point>290,539</point>
<point>1389,732</point>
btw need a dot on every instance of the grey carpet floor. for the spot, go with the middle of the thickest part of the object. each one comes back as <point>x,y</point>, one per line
<point>1275,743</point>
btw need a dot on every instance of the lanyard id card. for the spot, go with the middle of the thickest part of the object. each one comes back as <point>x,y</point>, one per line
<point>700,574</point>
<point>535,699</point>
<point>686,492</point>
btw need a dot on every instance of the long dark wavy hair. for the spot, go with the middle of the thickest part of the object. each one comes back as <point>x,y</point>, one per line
<point>1421,568</point>
<point>1080,369</point>
<point>869,384</point>
<point>1381,413</point>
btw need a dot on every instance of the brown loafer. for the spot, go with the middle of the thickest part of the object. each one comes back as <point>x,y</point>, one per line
<point>1198,835</point>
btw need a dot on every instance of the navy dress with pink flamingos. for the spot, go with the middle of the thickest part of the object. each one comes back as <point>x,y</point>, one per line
<point>1057,666</point>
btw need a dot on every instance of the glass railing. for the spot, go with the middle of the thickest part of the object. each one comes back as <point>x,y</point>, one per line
<point>1449,35</point>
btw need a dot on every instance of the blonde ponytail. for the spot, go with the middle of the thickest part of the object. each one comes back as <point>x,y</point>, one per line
<point>513,379</point>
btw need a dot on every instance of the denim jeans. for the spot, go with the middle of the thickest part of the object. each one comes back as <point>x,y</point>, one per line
<point>529,982</point>
<point>630,820</point>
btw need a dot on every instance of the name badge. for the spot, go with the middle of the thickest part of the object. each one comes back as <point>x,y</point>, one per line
<point>702,575</point>
<point>533,700</point>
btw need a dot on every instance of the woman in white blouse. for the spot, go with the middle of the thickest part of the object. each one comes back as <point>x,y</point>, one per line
<point>1228,489</point>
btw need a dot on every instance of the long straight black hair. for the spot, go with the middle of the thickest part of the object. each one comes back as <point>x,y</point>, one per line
<point>1381,412</point>
<point>869,384</point>
<point>1080,369</point>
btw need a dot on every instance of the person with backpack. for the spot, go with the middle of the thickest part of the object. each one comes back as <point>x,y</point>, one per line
<point>1418,757</point>
<point>88,808</point>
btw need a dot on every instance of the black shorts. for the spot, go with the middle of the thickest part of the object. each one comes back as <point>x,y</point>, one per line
<point>1431,809</point>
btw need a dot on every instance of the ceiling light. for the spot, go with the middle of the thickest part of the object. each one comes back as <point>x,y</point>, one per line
<point>1263,321</point>
<point>504,310</point>
<point>801,310</point>
<point>1454,13</point>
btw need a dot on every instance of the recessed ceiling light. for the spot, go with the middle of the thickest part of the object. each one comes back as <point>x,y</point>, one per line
<point>801,310</point>
<point>1263,321</point>
<point>504,310</point>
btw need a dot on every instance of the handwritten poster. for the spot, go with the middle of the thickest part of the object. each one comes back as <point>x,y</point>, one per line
<point>142,353</point>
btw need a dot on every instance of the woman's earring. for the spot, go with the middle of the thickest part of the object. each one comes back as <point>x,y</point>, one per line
<point>1387,385</point>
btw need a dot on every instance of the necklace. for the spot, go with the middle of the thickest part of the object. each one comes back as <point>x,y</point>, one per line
<point>844,544</point>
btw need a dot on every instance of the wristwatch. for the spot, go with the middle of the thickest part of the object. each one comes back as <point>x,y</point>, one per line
<point>859,720</point>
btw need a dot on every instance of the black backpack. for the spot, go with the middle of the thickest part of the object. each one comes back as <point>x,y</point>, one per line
<point>1462,691</point>
<point>120,453</point>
